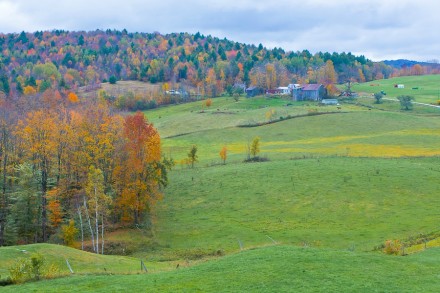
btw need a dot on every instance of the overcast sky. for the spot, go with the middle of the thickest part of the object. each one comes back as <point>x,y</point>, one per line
<point>378,29</point>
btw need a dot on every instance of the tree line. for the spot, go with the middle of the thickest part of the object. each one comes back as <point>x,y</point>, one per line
<point>65,159</point>
<point>35,62</point>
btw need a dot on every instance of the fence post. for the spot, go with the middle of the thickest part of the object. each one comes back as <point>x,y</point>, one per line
<point>70,268</point>
<point>143,267</point>
<point>241,244</point>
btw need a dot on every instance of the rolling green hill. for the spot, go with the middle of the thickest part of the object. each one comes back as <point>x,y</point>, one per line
<point>272,269</point>
<point>425,88</point>
<point>81,262</point>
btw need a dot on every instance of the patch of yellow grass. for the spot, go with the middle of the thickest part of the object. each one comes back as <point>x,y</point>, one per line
<point>392,151</point>
<point>420,247</point>
<point>360,150</point>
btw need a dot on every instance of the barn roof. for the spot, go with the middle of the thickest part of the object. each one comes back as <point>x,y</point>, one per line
<point>311,87</point>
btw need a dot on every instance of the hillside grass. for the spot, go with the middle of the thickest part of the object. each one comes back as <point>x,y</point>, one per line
<point>428,87</point>
<point>338,202</point>
<point>81,262</point>
<point>356,133</point>
<point>225,112</point>
<point>272,269</point>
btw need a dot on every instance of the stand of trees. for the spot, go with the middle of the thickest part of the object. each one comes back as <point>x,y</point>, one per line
<point>35,62</point>
<point>65,159</point>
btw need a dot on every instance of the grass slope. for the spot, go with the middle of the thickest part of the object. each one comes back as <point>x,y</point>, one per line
<point>272,269</point>
<point>80,261</point>
<point>359,134</point>
<point>428,87</point>
<point>328,202</point>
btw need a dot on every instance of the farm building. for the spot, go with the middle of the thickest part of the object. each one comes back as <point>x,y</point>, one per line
<point>309,92</point>
<point>284,90</point>
<point>329,102</point>
<point>273,92</point>
<point>293,86</point>
<point>253,91</point>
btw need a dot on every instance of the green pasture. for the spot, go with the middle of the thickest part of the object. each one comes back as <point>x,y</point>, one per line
<point>271,269</point>
<point>337,202</point>
<point>371,133</point>
<point>424,88</point>
<point>390,104</point>
<point>225,112</point>
<point>81,262</point>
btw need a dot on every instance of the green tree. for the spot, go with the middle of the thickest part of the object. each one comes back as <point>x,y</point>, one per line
<point>378,97</point>
<point>25,209</point>
<point>406,102</point>
<point>112,79</point>
<point>192,155</point>
<point>255,146</point>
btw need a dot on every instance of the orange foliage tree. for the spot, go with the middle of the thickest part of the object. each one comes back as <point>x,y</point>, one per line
<point>140,173</point>
<point>224,154</point>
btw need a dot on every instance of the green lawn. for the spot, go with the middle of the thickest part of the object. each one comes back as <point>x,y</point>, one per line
<point>272,269</point>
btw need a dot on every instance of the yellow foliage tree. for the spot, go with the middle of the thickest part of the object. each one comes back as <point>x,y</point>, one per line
<point>68,233</point>
<point>29,90</point>
<point>224,154</point>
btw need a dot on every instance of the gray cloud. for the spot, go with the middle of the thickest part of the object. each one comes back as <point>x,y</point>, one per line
<point>376,28</point>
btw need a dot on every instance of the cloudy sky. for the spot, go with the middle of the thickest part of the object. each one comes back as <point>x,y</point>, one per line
<point>378,29</point>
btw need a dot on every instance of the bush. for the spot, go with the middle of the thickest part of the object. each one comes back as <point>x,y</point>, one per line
<point>112,79</point>
<point>392,247</point>
<point>31,269</point>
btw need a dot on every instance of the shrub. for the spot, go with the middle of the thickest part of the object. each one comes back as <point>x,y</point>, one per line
<point>112,79</point>
<point>31,269</point>
<point>392,247</point>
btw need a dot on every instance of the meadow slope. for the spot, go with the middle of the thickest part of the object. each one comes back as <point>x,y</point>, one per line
<point>271,269</point>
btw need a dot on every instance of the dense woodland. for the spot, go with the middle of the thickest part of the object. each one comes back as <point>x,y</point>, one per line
<point>34,62</point>
<point>69,163</point>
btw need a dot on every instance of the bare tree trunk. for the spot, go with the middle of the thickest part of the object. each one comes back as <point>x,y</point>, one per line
<point>102,234</point>
<point>82,230</point>
<point>3,203</point>
<point>90,224</point>
<point>44,178</point>
<point>96,222</point>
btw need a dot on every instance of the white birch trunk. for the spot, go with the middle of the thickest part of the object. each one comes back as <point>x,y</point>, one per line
<point>90,224</point>
<point>102,234</point>
<point>82,230</point>
<point>96,222</point>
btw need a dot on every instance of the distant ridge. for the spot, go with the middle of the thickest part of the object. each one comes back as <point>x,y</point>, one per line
<point>401,63</point>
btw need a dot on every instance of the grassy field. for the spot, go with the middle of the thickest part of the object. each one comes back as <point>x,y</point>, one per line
<point>425,89</point>
<point>272,269</point>
<point>356,131</point>
<point>338,202</point>
<point>80,261</point>
<point>335,188</point>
